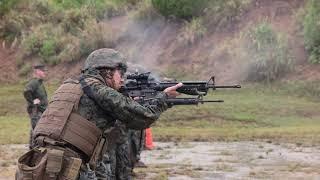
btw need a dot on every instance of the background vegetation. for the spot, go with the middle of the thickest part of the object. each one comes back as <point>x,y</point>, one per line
<point>57,31</point>
<point>269,54</point>
<point>281,113</point>
<point>185,9</point>
<point>311,30</point>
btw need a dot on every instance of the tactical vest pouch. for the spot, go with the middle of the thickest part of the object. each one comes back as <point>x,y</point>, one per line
<point>61,123</point>
<point>32,165</point>
<point>54,163</point>
<point>81,133</point>
<point>71,168</point>
<point>47,164</point>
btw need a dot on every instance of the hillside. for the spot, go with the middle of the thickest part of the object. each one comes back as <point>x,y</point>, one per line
<point>155,46</point>
<point>8,66</point>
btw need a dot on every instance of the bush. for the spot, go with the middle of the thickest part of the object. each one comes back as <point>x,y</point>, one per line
<point>192,31</point>
<point>269,53</point>
<point>75,19</point>
<point>30,45</point>
<point>185,9</point>
<point>25,69</point>
<point>41,6</point>
<point>7,5</point>
<point>12,25</point>
<point>221,12</point>
<point>49,48</point>
<point>311,30</point>
<point>69,4</point>
<point>95,36</point>
<point>58,30</point>
<point>145,12</point>
<point>43,41</point>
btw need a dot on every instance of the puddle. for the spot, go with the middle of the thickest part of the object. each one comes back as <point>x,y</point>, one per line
<point>209,160</point>
<point>234,160</point>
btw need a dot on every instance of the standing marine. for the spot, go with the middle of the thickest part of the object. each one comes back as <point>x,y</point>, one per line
<point>79,127</point>
<point>36,97</point>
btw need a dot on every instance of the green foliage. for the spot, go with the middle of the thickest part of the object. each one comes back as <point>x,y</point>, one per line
<point>25,70</point>
<point>269,53</point>
<point>74,20</point>
<point>311,30</point>
<point>185,9</point>
<point>11,26</point>
<point>48,51</point>
<point>69,4</point>
<point>31,45</point>
<point>41,6</point>
<point>43,42</point>
<point>57,30</point>
<point>7,5</point>
<point>145,12</point>
<point>192,31</point>
<point>220,13</point>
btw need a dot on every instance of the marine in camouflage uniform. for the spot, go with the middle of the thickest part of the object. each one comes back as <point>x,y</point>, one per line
<point>102,105</point>
<point>127,112</point>
<point>36,97</point>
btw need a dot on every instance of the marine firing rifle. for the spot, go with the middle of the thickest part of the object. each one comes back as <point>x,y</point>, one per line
<point>144,86</point>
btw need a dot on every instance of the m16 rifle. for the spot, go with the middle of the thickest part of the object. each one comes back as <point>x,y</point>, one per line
<point>142,85</point>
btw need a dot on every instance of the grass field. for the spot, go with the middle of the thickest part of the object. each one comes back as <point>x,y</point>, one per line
<point>288,113</point>
<point>275,112</point>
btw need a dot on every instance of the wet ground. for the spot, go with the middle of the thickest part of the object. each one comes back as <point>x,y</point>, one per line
<point>234,160</point>
<point>210,160</point>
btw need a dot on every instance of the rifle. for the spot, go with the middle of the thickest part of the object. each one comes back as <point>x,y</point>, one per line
<point>144,86</point>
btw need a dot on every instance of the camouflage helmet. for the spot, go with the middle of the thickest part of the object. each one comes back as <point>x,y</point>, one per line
<point>105,58</point>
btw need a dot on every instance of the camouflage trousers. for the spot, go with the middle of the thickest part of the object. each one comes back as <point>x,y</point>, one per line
<point>120,157</point>
<point>136,144</point>
<point>115,163</point>
<point>102,171</point>
<point>34,118</point>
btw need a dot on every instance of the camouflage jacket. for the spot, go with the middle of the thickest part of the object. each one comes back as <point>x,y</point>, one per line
<point>104,106</point>
<point>35,90</point>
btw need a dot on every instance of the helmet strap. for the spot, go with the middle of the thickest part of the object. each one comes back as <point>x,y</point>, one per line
<point>107,74</point>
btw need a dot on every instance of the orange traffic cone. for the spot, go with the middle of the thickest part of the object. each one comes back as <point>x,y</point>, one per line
<point>149,142</point>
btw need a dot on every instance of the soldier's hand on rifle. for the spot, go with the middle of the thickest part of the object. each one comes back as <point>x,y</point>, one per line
<point>36,101</point>
<point>172,91</point>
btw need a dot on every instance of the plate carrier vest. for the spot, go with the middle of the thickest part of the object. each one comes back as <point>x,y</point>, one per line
<point>63,125</point>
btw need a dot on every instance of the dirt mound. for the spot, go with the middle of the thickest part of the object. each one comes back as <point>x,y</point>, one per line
<point>154,46</point>
<point>8,67</point>
<point>64,71</point>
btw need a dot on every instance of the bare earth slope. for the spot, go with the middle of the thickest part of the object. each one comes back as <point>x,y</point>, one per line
<point>8,68</point>
<point>155,47</point>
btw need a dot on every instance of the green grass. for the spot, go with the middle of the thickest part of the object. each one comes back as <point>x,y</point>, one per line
<point>14,129</point>
<point>273,113</point>
<point>14,120</point>
<point>253,112</point>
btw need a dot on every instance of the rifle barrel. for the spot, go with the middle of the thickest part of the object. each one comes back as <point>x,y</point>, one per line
<point>233,86</point>
<point>202,101</point>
